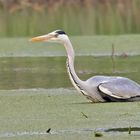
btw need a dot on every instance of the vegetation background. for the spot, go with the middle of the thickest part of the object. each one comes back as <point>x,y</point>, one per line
<point>77,17</point>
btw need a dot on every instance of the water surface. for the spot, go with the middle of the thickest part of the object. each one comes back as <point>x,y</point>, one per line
<point>50,72</point>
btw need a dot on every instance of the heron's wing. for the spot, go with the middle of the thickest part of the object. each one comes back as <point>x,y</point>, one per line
<point>120,89</point>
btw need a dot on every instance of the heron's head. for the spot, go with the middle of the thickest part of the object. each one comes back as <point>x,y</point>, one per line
<point>55,36</point>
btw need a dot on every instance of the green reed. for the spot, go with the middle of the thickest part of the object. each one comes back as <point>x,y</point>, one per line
<point>76,20</point>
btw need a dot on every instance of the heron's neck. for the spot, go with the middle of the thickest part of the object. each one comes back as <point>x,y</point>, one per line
<point>70,66</point>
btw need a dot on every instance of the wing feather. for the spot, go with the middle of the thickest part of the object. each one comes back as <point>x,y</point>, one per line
<point>120,89</point>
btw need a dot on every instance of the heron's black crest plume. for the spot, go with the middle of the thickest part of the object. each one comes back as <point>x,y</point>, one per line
<point>60,32</point>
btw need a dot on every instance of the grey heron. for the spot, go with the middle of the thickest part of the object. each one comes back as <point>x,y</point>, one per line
<point>97,88</point>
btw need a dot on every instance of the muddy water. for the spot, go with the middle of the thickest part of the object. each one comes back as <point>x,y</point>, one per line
<point>50,72</point>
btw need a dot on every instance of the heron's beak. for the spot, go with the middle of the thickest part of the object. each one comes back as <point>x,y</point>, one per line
<point>43,38</point>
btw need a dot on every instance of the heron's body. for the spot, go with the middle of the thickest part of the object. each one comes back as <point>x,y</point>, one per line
<point>97,88</point>
<point>109,88</point>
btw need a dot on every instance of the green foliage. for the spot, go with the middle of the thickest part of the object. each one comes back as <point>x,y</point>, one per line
<point>88,19</point>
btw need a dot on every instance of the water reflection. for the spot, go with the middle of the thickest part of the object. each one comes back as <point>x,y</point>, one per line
<point>50,72</point>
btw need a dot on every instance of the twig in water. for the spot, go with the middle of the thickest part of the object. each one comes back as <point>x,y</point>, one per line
<point>112,58</point>
<point>84,115</point>
<point>129,130</point>
<point>48,131</point>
